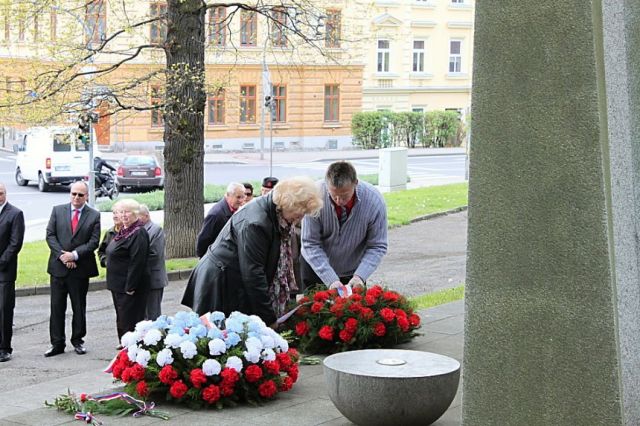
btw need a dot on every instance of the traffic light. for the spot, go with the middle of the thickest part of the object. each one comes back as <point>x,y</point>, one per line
<point>84,124</point>
<point>267,101</point>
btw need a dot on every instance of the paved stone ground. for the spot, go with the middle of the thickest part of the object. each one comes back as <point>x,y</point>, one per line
<point>423,257</point>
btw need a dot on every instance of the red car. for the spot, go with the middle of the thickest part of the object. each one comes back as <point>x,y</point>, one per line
<point>140,171</point>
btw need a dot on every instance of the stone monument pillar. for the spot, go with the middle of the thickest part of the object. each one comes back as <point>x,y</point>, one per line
<point>552,315</point>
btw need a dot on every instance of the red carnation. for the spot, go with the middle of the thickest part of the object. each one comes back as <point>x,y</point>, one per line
<point>358,290</point>
<point>137,372</point>
<point>302,311</point>
<point>126,375</point>
<point>387,314</point>
<point>118,369</point>
<point>400,313</point>
<point>272,367</point>
<point>321,296</point>
<point>293,354</point>
<point>178,389</point>
<point>355,297</point>
<point>211,394</point>
<point>284,360</point>
<point>370,300</point>
<point>345,335</point>
<point>414,320</point>
<point>326,333</point>
<point>379,329</point>
<point>391,296</point>
<point>303,300</point>
<point>253,373</point>
<point>375,291</point>
<point>197,377</point>
<point>336,310</point>
<point>355,307</point>
<point>403,323</point>
<point>351,324</point>
<point>302,328</point>
<point>83,397</point>
<point>286,384</point>
<point>142,389</point>
<point>167,375</point>
<point>316,307</point>
<point>366,313</point>
<point>230,375</point>
<point>293,372</point>
<point>267,389</point>
<point>227,388</point>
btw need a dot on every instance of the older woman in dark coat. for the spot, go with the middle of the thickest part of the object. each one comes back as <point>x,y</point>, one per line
<point>249,267</point>
<point>127,269</point>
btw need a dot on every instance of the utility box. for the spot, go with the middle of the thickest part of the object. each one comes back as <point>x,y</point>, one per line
<point>392,169</point>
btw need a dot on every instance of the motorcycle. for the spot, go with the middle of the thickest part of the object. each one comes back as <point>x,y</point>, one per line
<point>105,185</point>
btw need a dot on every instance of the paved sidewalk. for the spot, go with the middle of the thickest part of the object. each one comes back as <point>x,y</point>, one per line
<point>307,403</point>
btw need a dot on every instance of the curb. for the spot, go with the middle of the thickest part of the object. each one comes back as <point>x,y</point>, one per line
<point>183,274</point>
<point>178,275</point>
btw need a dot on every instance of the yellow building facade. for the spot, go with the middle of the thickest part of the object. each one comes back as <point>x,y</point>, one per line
<point>316,87</point>
<point>419,56</point>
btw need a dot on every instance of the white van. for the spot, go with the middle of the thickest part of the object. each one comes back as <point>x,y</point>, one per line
<point>51,156</point>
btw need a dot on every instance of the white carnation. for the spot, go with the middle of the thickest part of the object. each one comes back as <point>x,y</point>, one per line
<point>217,347</point>
<point>152,337</point>
<point>142,357</point>
<point>268,355</point>
<point>253,344</point>
<point>282,344</point>
<point>165,357</point>
<point>188,349</point>
<point>252,356</point>
<point>144,326</point>
<point>268,342</point>
<point>173,340</point>
<point>235,363</point>
<point>132,351</point>
<point>129,338</point>
<point>211,367</point>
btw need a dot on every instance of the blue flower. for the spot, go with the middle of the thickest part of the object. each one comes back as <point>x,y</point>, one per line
<point>198,331</point>
<point>235,324</point>
<point>232,339</point>
<point>216,316</point>
<point>161,322</point>
<point>214,333</point>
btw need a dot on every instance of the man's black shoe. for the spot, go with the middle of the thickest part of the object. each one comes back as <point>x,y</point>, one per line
<point>80,350</point>
<point>5,356</point>
<point>53,351</point>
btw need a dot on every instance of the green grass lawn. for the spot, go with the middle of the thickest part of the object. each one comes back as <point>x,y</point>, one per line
<point>401,207</point>
<point>438,297</point>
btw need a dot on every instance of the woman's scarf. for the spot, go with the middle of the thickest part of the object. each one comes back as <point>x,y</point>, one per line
<point>127,232</point>
<point>284,280</point>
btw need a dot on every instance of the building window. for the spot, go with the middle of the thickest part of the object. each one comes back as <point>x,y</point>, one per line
<point>383,55</point>
<point>331,102</point>
<point>457,1</point>
<point>53,25</point>
<point>158,29</point>
<point>417,109</point>
<point>418,56</point>
<point>96,23</point>
<point>218,26</point>
<point>247,104</point>
<point>157,120</point>
<point>332,25</point>
<point>278,27</point>
<point>280,103</point>
<point>248,28</point>
<point>455,57</point>
<point>216,107</point>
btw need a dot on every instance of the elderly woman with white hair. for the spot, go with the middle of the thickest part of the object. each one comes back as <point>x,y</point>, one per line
<point>128,274</point>
<point>249,267</point>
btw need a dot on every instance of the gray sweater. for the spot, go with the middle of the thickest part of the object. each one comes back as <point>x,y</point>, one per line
<point>355,249</point>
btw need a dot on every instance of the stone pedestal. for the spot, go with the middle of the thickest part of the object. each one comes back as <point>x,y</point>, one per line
<point>552,325</point>
<point>390,386</point>
<point>392,169</point>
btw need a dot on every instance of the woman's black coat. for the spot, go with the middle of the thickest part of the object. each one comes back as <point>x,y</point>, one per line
<point>235,273</point>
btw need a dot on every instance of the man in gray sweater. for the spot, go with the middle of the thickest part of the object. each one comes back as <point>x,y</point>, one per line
<point>346,242</point>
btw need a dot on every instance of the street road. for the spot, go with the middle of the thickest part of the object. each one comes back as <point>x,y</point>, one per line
<point>423,171</point>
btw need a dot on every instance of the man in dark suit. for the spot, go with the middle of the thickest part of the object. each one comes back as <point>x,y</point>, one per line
<point>11,236</point>
<point>156,264</point>
<point>73,234</point>
<point>218,216</point>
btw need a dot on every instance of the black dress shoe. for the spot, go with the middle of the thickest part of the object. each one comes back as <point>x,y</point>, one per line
<point>5,356</point>
<point>80,350</point>
<point>53,351</point>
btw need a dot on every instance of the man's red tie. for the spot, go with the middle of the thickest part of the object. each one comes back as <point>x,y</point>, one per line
<point>74,220</point>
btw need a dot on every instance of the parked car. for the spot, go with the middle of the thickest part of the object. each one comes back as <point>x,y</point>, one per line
<point>139,171</point>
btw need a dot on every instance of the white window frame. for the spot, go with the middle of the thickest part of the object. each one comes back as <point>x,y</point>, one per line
<point>419,65</point>
<point>455,59</point>
<point>457,2</point>
<point>383,55</point>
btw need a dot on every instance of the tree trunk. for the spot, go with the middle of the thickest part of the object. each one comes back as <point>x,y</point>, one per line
<point>184,125</point>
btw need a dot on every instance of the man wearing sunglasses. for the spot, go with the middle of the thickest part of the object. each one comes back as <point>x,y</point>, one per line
<point>73,235</point>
